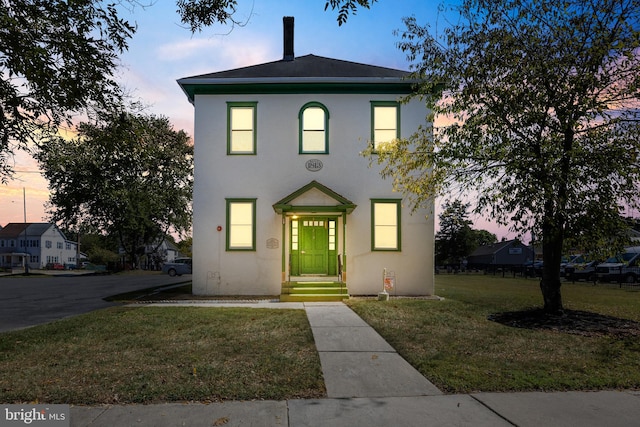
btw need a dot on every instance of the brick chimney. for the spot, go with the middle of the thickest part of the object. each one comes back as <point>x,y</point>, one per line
<point>287,23</point>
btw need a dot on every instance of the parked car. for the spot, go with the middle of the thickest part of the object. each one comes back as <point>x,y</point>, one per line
<point>572,259</point>
<point>533,268</point>
<point>54,266</point>
<point>622,268</point>
<point>578,271</point>
<point>178,267</point>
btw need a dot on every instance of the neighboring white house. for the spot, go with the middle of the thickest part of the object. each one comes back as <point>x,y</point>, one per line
<point>282,193</point>
<point>158,253</point>
<point>40,243</point>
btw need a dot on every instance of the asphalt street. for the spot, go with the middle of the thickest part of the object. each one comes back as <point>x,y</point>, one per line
<point>30,301</point>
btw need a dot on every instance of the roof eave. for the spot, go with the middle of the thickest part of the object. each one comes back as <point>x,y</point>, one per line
<point>198,86</point>
<point>288,80</point>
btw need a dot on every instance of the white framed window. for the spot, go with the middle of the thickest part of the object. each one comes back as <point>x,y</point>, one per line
<point>241,224</point>
<point>385,225</point>
<point>242,127</point>
<point>385,122</point>
<point>314,129</point>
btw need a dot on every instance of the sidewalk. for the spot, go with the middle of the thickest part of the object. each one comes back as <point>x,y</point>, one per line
<point>369,384</point>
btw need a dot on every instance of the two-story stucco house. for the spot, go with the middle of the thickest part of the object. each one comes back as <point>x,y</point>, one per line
<point>282,192</point>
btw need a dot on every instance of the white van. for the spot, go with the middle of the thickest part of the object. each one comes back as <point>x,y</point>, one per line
<point>622,268</point>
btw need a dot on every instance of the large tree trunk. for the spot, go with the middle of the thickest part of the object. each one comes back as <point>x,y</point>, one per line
<point>551,295</point>
<point>553,223</point>
<point>552,238</point>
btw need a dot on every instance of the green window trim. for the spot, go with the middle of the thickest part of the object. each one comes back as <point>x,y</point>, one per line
<point>375,128</point>
<point>302,129</point>
<point>253,106</point>
<point>386,233</point>
<point>239,226</point>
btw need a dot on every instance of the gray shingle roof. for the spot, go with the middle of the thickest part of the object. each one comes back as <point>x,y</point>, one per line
<point>307,66</point>
<point>15,229</point>
<point>12,230</point>
<point>304,74</point>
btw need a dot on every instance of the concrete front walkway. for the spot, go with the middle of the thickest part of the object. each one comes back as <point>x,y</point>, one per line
<point>356,361</point>
<point>369,384</point>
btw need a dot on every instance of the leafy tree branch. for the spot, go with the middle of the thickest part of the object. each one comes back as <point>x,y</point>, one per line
<point>543,124</point>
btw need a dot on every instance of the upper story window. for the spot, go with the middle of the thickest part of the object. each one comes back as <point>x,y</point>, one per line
<point>385,122</point>
<point>241,127</point>
<point>47,244</point>
<point>314,129</point>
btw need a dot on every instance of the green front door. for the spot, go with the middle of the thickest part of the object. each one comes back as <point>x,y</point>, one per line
<point>314,245</point>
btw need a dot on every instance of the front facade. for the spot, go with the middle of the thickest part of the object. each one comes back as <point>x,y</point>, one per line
<point>282,192</point>
<point>37,243</point>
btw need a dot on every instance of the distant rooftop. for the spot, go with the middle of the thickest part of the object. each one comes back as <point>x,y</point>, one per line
<point>16,229</point>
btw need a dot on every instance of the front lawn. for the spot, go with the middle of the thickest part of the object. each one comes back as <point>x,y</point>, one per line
<point>169,354</point>
<point>161,354</point>
<point>455,346</point>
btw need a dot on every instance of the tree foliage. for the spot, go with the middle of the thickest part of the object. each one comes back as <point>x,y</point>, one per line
<point>204,13</point>
<point>130,175</point>
<point>456,239</point>
<point>346,7</point>
<point>56,57</point>
<point>99,248</point>
<point>540,100</point>
<point>185,246</point>
<point>483,238</point>
<point>197,14</point>
<point>454,236</point>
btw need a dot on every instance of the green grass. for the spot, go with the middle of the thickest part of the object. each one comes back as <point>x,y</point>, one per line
<point>165,354</point>
<point>454,345</point>
<point>160,354</point>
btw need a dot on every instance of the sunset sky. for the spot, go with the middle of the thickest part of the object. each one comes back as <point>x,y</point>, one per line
<point>163,51</point>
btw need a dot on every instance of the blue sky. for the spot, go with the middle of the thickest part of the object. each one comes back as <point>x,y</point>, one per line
<point>163,50</point>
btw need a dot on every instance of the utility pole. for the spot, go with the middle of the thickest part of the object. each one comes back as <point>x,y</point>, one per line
<point>26,254</point>
<point>78,251</point>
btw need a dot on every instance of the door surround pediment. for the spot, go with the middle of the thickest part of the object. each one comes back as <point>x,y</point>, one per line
<point>314,197</point>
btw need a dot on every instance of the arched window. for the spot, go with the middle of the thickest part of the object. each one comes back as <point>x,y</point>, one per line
<point>314,129</point>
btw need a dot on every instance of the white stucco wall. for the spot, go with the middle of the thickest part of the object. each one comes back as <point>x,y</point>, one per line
<point>277,171</point>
